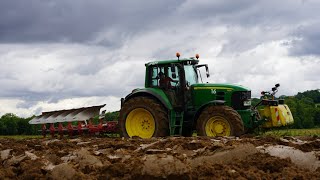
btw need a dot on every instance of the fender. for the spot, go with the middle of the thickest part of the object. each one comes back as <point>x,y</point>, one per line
<point>157,94</point>
<point>215,103</point>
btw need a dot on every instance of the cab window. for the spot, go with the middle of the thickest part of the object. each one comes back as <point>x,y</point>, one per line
<point>155,70</point>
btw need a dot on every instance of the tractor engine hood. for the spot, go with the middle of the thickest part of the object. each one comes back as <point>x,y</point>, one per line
<point>238,97</point>
<point>227,87</point>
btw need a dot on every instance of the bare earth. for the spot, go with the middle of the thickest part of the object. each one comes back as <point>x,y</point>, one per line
<point>161,158</point>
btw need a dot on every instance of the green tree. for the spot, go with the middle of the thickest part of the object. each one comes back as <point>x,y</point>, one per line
<point>297,120</point>
<point>10,124</point>
<point>112,116</point>
<point>9,121</point>
<point>317,117</point>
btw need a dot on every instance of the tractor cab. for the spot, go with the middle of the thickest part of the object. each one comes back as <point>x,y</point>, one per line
<point>175,69</point>
<point>179,75</point>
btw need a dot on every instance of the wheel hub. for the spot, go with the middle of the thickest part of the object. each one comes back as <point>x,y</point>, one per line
<point>145,123</point>
<point>217,126</point>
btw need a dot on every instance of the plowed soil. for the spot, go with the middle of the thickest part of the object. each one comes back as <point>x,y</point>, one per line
<point>161,158</point>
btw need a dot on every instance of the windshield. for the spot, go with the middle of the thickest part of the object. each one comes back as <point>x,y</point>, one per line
<point>191,74</point>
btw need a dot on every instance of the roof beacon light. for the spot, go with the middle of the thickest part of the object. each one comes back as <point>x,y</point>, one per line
<point>197,56</point>
<point>178,55</point>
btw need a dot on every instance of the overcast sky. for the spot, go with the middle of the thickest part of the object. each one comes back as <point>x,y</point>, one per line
<point>59,54</point>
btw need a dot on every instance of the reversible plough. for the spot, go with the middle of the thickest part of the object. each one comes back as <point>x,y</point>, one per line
<point>75,122</point>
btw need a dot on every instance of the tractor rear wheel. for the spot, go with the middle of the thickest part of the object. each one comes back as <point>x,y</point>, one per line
<point>143,117</point>
<point>219,121</point>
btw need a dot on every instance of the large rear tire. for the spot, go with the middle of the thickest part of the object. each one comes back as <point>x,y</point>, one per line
<point>143,117</point>
<point>219,121</point>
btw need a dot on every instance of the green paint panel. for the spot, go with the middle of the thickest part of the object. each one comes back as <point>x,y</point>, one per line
<point>160,95</point>
<point>204,93</point>
<point>246,116</point>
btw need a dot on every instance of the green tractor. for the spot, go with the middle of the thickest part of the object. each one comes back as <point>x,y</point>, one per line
<point>174,102</point>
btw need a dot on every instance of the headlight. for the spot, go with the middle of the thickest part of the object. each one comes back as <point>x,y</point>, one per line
<point>247,103</point>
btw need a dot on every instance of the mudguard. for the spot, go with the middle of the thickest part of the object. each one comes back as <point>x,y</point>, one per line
<point>215,102</point>
<point>151,92</point>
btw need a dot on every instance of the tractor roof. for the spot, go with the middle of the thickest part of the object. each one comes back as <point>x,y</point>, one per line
<point>183,61</point>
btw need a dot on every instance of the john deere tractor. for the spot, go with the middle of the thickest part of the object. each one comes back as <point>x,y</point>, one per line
<point>186,104</point>
<point>174,102</point>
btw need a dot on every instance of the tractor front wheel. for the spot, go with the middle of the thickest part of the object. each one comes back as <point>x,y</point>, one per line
<point>219,121</point>
<point>143,117</point>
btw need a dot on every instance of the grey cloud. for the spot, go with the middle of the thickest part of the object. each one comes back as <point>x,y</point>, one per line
<point>214,10</point>
<point>248,12</point>
<point>74,21</point>
<point>38,110</point>
<point>67,88</point>
<point>113,23</point>
<point>90,68</point>
<point>251,23</point>
<point>309,41</point>
<point>23,93</point>
<point>26,104</point>
<point>31,97</point>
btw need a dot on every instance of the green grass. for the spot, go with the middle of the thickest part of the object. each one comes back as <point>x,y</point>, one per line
<point>19,137</point>
<point>293,132</point>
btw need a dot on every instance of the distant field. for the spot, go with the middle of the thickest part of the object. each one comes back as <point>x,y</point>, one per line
<point>294,132</point>
<point>22,136</point>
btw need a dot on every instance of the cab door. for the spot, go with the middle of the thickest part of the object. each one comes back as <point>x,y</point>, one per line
<point>174,92</point>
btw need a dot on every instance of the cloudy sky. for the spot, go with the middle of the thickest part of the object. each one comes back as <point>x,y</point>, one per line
<point>58,54</point>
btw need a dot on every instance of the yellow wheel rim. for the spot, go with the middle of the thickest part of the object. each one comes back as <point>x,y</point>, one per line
<point>217,126</point>
<point>140,122</point>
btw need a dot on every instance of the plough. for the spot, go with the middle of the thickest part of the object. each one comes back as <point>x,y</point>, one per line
<point>66,120</point>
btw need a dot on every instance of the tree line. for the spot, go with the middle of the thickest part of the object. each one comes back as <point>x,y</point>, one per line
<point>305,108</point>
<point>11,124</point>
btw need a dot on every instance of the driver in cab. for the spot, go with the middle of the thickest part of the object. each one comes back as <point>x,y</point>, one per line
<point>165,81</point>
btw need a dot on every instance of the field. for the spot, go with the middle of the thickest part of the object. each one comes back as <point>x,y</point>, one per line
<point>21,137</point>
<point>293,132</point>
<point>262,157</point>
<point>273,133</point>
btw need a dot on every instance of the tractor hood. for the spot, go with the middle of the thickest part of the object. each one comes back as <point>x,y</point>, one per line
<point>227,87</point>
<point>234,95</point>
